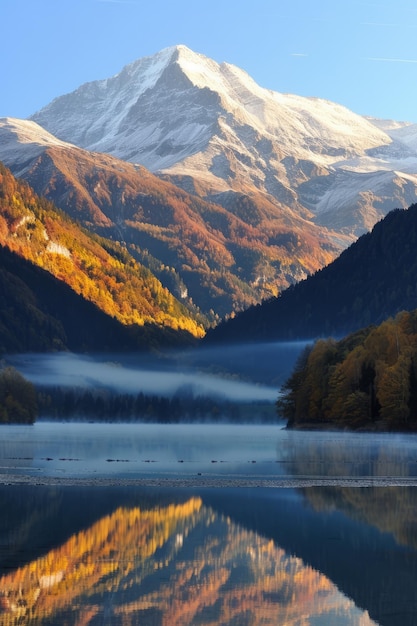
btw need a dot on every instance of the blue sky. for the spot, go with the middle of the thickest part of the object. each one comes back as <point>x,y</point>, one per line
<point>360,54</point>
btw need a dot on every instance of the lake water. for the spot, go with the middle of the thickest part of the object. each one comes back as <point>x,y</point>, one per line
<point>127,524</point>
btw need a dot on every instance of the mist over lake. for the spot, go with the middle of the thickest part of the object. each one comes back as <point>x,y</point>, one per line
<point>239,373</point>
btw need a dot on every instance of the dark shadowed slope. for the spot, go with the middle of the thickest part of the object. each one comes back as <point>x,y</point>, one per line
<point>373,279</point>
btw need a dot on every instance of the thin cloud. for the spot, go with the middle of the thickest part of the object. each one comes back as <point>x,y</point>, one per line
<point>388,24</point>
<point>117,1</point>
<point>390,60</point>
<point>298,54</point>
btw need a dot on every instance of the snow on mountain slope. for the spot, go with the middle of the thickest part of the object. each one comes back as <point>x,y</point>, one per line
<point>114,114</point>
<point>210,127</point>
<point>360,198</point>
<point>406,135</point>
<point>23,140</point>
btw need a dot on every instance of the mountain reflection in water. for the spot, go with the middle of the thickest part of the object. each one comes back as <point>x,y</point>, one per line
<point>203,524</point>
<point>171,564</point>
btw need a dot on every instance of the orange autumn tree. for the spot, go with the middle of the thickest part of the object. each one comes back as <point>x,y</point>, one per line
<point>368,379</point>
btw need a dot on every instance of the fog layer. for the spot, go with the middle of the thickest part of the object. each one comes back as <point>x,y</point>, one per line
<point>71,370</point>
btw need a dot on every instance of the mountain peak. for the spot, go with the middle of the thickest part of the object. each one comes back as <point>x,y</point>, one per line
<point>144,110</point>
<point>183,114</point>
<point>201,70</point>
<point>184,52</point>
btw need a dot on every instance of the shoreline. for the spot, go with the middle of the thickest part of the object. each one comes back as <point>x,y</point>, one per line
<point>373,427</point>
<point>206,482</point>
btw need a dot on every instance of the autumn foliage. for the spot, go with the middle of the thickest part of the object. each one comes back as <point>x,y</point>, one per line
<point>367,380</point>
<point>226,251</point>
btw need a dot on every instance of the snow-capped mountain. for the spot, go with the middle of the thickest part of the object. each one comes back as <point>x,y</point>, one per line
<point>213,130</point>
<point>162,109</point>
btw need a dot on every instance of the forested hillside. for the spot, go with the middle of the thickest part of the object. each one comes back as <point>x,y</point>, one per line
<point>99,270</point>
<point>39,313</point>
<point>374,278</point>
<point>367,380</point>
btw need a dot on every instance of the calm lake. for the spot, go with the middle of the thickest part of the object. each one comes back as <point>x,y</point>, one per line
<point>140,524</point>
